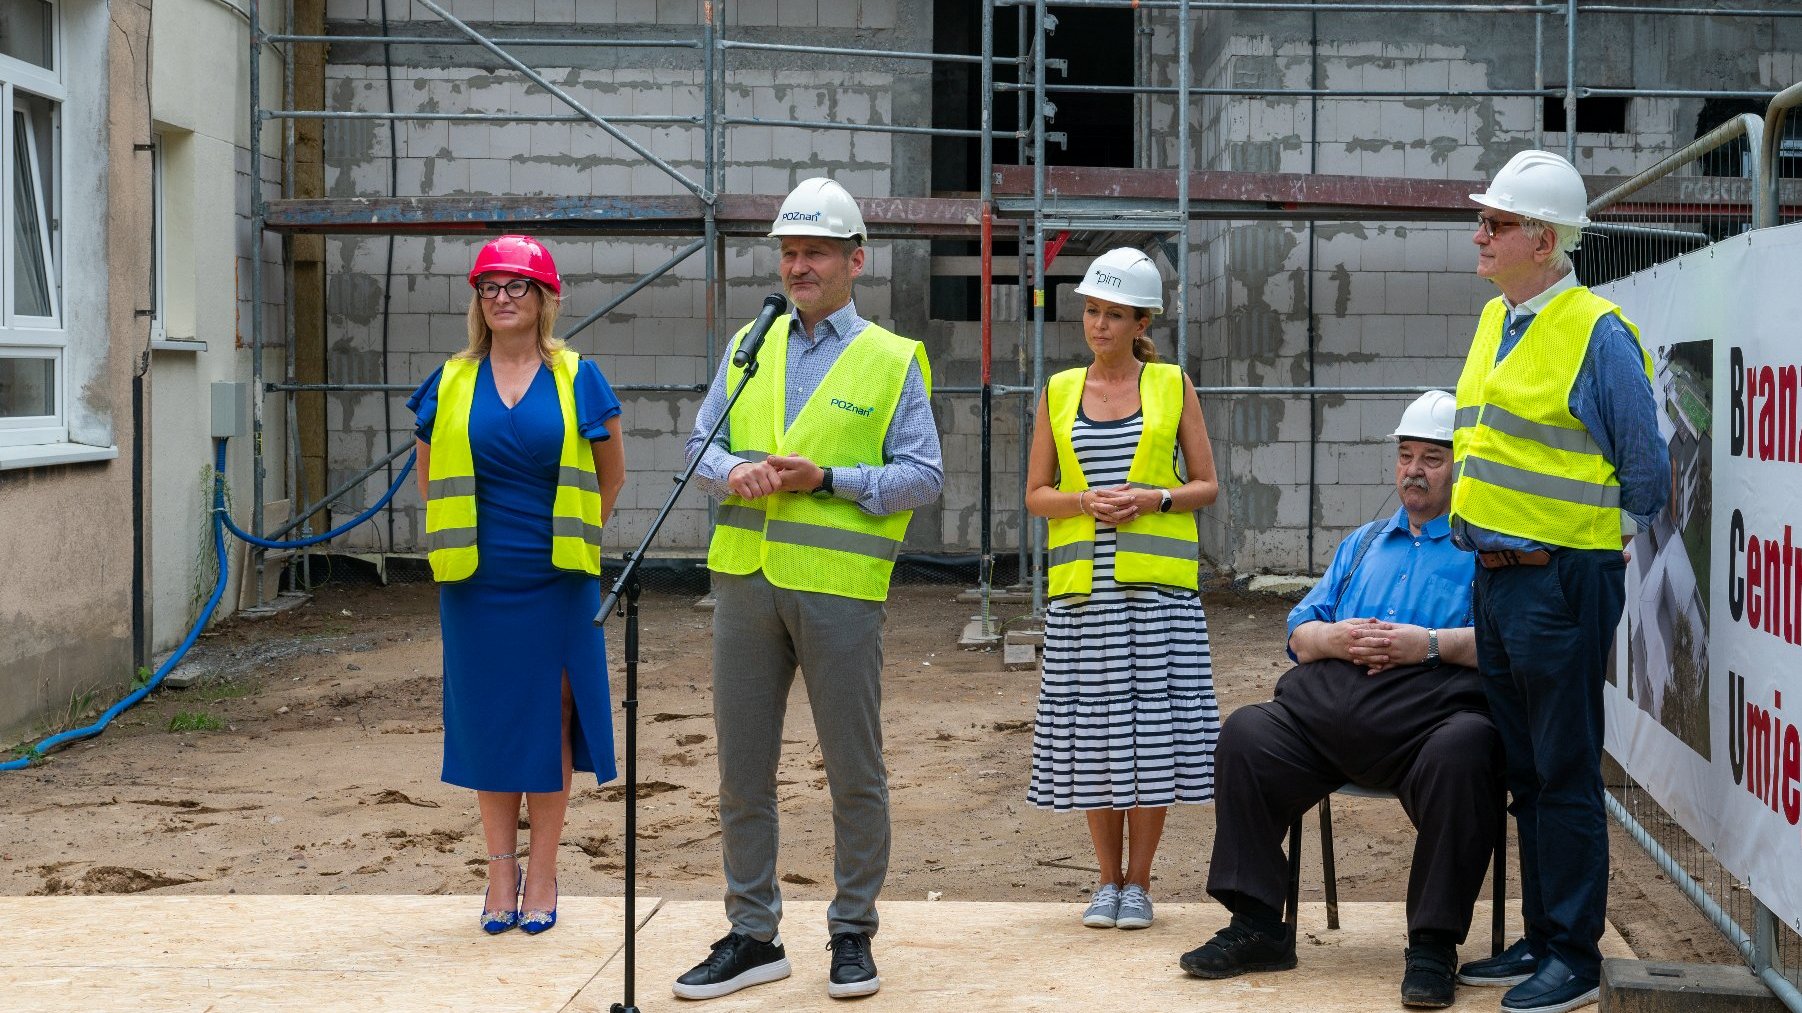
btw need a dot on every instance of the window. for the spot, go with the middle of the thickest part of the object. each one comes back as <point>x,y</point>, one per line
<point>1597,114</point>
<point>32,335</point>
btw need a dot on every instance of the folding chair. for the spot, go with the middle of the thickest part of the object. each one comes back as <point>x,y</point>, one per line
<point>1497,868</point>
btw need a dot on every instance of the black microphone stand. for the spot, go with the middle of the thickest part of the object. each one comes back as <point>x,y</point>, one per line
<point>626,585</point>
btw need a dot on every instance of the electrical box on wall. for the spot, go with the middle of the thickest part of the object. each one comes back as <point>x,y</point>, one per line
<point>231,409</point>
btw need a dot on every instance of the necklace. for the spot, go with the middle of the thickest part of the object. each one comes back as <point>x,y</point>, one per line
<point>1101,385</point>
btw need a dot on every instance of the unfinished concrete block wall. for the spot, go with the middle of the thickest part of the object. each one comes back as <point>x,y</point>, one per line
<point>659,335</point>
<point>1391,303</point>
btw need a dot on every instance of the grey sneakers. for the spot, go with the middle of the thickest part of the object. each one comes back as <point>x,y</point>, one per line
<point>1135,908</point>
<point>1114,908</point>
<point>1103,907</point>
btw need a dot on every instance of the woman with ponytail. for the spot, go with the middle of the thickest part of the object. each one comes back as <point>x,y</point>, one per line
<point>1126,716</point>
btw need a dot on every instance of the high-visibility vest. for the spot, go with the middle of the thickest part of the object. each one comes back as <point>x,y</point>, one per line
<point>1525,465</point>
<point>817,543</point>
<point>1153,548</point>
<point>450,504</point>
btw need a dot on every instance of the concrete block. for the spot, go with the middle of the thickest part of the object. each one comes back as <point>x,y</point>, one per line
<point>1399,122</point>
<point>1405,291</point>
<point>755,12</point>
<point>883,14</point>
<point>799,13</point>
<point>1641,986</point>
<point>1019,657</point>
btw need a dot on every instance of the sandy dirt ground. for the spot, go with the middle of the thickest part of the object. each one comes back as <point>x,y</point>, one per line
<point>323,778</point>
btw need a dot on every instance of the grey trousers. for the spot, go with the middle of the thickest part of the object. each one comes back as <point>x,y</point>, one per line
<point>760,633</point>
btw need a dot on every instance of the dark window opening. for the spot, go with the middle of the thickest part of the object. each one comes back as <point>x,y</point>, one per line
<point>1599,114</point>
<point>1099,46</point>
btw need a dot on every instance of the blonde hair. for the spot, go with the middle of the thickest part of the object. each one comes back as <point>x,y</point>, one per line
<point>1144,349</point>
<point>480,337</point>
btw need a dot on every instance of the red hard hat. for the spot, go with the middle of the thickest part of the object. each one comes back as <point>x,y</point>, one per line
<point>521,255</point>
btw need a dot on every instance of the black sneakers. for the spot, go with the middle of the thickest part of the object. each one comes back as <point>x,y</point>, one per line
<point>853,969</point>
<point>737,961</point>
<point>1236,950</point>
<point>1427,983</point>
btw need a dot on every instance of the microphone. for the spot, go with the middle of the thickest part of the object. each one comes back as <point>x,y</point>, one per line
<point>774,305</point>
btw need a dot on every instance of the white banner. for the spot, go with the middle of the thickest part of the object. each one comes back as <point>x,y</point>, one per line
<point>1706,690</point>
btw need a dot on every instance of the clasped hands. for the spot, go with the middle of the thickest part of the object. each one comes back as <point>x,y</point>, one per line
<point>1119,504</point>
<point>1377,645</point>
<point>776,473</point>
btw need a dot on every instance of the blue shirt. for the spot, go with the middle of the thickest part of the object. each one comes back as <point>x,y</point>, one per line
<point>1420,580</point>
<point>912,472</point>
<point>1614,401</point>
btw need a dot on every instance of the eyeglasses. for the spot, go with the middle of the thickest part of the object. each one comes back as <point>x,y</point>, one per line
<point>1491,225</point>
<point>515,289</point>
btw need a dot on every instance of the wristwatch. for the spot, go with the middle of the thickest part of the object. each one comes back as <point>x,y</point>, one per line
<point>824,489</point>
<point>1432,660</point>
<point>1164,507</point>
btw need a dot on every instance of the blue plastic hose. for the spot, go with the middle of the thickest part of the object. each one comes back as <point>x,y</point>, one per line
<point>221,522</point>
<point>301,543</point>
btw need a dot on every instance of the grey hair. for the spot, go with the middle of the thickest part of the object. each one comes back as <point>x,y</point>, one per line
<point>1567,237</point>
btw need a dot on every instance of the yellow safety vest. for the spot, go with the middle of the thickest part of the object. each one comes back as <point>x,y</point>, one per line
<point>817,543</point>
<point>1525,465</point>
<point>450,505</point>
<point>1153,548</point>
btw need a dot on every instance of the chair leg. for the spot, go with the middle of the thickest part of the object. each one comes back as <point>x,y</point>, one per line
<point>1498,921</point>
<point>1292,905</point>
<point>1328,871</point>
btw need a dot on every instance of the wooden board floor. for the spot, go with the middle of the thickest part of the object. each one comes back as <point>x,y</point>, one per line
<point>292,953</point>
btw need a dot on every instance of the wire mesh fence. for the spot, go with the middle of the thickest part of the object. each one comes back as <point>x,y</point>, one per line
<point>1701,194</point>
<point>1734,900</point>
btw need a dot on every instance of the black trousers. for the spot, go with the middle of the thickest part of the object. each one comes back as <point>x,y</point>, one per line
<point>1423,733</point>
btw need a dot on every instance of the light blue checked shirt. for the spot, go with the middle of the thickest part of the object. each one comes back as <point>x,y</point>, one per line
<point>1614,401</point>
<point>912,472</point>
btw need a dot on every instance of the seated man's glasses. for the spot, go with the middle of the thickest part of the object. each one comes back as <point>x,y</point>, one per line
<point>516,289</point>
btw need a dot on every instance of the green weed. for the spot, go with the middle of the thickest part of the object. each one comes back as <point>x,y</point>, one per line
<point>195,721</point>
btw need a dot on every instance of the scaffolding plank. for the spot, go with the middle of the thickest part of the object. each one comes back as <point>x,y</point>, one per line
<point>1294,195</point>
<point>737,215</point>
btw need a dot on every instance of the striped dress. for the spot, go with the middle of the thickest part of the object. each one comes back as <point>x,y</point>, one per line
<point>1126,713</point>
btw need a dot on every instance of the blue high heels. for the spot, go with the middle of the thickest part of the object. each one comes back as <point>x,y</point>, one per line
<point>534,922</point>
<point>496,922</point>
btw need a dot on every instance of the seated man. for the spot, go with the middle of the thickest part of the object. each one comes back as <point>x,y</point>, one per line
<point>1386,696</point>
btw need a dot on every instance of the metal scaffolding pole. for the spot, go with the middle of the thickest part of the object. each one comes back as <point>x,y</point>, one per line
<point>1043,26</point>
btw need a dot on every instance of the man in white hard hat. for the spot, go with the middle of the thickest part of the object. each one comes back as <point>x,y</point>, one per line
<point>1557,444</point>
<point>1385,694</point>
<point>820,464</point>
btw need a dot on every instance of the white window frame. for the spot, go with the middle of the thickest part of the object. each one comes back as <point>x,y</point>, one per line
<point>27,430</point>
<point>24,336</point>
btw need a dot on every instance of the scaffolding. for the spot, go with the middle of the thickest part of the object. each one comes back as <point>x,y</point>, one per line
<point>1650,218</point>
<point>1042,205</point>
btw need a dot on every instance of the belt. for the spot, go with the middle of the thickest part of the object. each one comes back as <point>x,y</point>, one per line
<point>1509,557</point>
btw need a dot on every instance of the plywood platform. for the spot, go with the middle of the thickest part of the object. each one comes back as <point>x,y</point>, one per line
<point>194,953</point>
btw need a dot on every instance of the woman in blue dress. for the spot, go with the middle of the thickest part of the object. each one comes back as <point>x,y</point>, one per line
<point>519,464</point>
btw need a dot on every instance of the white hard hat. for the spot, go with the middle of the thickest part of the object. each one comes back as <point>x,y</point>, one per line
<point>1430,417</point>
<point>1127,277</point>
<point>820,207</point>
<point>1539,185</point>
